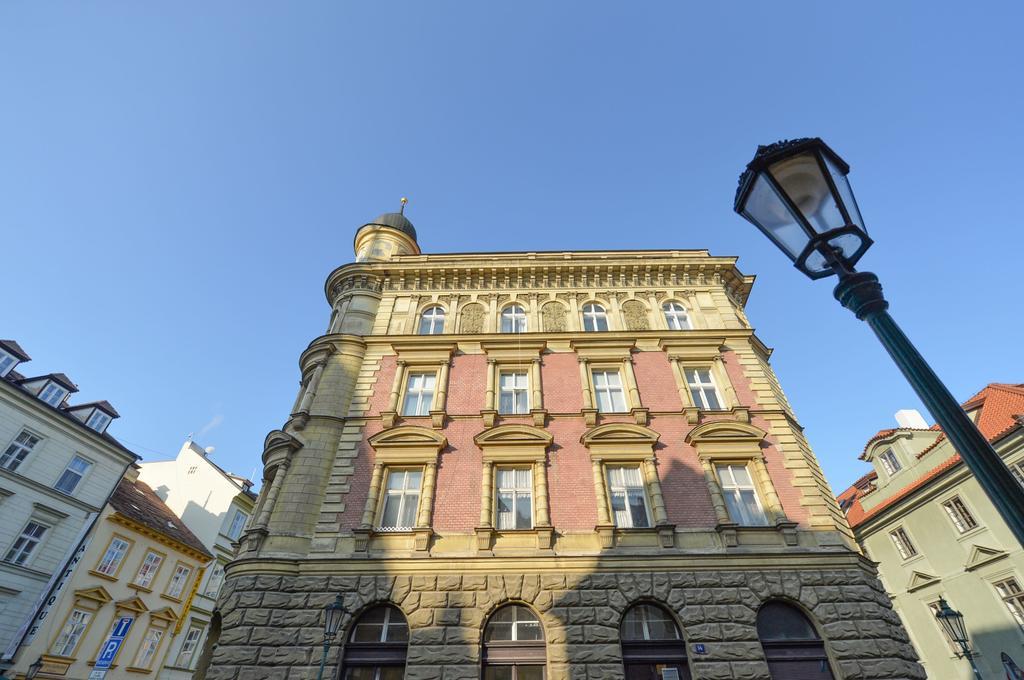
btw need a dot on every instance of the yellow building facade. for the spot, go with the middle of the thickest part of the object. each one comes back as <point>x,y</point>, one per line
<point>558,465</point>
<point>140,563</point>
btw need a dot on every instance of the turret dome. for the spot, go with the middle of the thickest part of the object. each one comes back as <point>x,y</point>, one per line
<point>395,221</point>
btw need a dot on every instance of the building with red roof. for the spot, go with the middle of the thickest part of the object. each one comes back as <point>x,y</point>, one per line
<point>923,517</point>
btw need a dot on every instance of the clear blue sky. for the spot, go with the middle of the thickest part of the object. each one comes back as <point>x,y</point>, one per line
<point>177,179</point>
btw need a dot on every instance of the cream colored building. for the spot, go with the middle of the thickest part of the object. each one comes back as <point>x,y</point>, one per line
<point>141,562</point>
<point>58,465</point>
<point>559,465</point>
<point>216,506</point>
<point>934,533</point>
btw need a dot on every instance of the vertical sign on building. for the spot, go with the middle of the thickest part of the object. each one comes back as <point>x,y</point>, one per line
<point>110,647</point>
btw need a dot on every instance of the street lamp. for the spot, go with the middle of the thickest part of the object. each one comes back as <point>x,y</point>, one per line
<point>953,623</point>
<point>797,193</point>
<point>34,668</point>
<point>332,621</point>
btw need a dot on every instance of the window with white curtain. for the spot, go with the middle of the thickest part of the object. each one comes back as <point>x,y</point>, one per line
<point>113,556</point>
<point>514,392</point>
<point>702,389</point>
<point>513,319</point>
<point>741,495</point>
<point>419,394</point>
<point>628,497</point>
<point>594,318</point>
<point>432,321</point>
<point>675,316</point>
<point>401,499</point>
<point>514,498</point>
<point>72,632</point>
<point>148,648</point>
<point>608,391</point>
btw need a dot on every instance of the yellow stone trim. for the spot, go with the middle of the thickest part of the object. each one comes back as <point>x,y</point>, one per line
<point>160,537</point>
<point>620,442</point>
<point>513,443</point>
<point>407,444</point>
<point>609,349</point>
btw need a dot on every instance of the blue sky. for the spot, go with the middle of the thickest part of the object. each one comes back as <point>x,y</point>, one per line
<point>177,179</point>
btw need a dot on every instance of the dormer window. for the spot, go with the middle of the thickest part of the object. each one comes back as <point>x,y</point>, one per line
<point>53,394</point>
<point>11,354</point>
<point>890,463</point>
<point>7,362</point>
<point>98,421</point>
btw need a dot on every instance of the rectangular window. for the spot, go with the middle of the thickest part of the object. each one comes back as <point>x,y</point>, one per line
<point>53,394</point>
<point>514,392</point>
<point>608,390</point>
<point>401,499</point>
<point>959,514</point>
<point>6,362</point>
<point>98,420</point>
<point>1012,596</point>
<point>237,524</point>
<point>147,571</point>
<point>147,650</point>
<point>26,543</point>
<point>890,462</point>
<point>216,580</point>
<point>114,555</point>
<point>178,581</point>
<point>515,498</point>
<point>629,497</point>
<point>188,647</point>
<point>740,494</point>
<point>71,634</point>
<point>1018,471</point>
<point>72,475</point>
<point>18,450</point>
<point>935,609</point>
<point>903,544</point>
<point>419,394</point>
<point>702,389</point>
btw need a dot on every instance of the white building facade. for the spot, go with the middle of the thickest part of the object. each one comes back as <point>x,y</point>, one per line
<point>58,467</point>
<point>216,506</point>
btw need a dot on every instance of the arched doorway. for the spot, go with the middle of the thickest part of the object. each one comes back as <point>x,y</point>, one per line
<point>652,646</point>
<point>514,647</point>
<point>792,646</point>
<point>376,646</point>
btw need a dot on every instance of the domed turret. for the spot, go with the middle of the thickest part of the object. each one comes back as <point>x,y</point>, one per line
<point>386,235</point>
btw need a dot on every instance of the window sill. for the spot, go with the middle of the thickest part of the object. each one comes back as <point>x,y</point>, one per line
<point>172,598</point>
<point>141,671</point>
<point>970,533</point>
<point>100,574</point>
<point>489,538</point>
<point>137,586</point>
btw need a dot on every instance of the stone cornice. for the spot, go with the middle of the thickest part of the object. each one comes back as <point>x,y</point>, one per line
<point>567,270</point>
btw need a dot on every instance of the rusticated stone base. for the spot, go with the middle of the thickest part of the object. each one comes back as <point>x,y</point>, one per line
<point>272,625</point>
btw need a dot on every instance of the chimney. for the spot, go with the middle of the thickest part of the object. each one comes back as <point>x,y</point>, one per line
<point>911,418</point>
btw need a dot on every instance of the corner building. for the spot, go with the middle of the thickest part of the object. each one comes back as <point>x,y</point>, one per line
<point>555,465</point>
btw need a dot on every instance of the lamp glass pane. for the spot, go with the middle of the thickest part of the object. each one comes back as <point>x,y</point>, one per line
<point>805,184</point>
<point>845,193</point>
<point>768,211</point>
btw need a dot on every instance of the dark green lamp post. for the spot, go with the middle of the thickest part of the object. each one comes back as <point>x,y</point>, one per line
<point>333,613</point>
<point>797,193</point>
<point>33,669</point>
<point>953,623</point>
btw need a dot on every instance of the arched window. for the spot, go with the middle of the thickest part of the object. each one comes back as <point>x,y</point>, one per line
<point>514,645</point>
<point>432,321</point>
<point>594,318</point>
<point>793,648</point>
<point>513,319</point>
<point>652,647</point>
<point>376,647</point>
<point>676,317</point>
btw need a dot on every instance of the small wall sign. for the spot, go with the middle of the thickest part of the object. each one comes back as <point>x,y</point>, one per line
<point>699,649</point>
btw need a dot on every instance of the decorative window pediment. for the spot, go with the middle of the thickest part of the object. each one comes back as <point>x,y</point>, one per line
<point>620,441</point>
<point>97,595</point>
<point>407,444</point>
<point>513,442</point>
<point>132,604</point>
<point>725,431</point>
<point>980,555</point>
<point>920,579</point>
<point>164,614</point>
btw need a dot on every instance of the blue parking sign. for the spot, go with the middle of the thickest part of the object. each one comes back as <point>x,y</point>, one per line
<point>113,643</point>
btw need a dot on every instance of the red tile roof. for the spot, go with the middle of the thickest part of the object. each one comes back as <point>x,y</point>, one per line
<point>139,503</point>
<point>1000,404</point>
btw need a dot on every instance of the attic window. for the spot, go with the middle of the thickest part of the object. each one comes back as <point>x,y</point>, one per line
<point>890,462</point>
<point>7,362</point>
<point>53,394</point>
<point>98,421</point>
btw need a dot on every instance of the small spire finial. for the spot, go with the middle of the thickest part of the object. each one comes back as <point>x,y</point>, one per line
<point>403,201</point>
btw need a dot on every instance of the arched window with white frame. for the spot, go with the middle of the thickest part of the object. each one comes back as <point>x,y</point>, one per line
<point>513,319</point>
<point>514,647</point>
<point>432,320</point>
<point>676,316</point>
<point>652,646</point>
<point>377,645</point>
<point>594,317</point>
